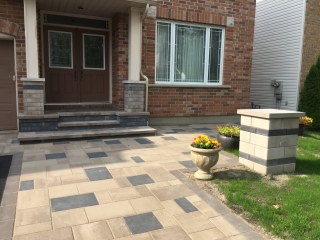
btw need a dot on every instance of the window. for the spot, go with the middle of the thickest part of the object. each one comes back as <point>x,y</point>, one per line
<point>188,54</point>
<point>60,49</point>
<point>93,47</point>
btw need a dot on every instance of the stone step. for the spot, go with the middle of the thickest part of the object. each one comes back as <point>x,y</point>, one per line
<point>88,123</point>
<point>25,137</point>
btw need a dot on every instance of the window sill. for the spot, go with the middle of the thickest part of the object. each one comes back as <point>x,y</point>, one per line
<point>188,86</point>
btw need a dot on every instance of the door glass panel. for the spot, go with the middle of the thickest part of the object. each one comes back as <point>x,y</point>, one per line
<point>60,49</point>
<point>93,46</point>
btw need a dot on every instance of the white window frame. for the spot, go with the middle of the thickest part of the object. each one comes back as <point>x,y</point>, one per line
<point>172,53</point>
<point>84,53</point>
<point>70,33</point>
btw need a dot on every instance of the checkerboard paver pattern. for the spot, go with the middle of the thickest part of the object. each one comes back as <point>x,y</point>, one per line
<point>122,188</point>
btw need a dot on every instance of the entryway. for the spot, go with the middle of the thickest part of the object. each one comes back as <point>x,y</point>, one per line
<point>8,109</point>
<point>76,65</point>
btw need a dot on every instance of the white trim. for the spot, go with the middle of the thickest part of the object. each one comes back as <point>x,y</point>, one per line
<point>4,36</point>
<point>207,42</point>
<point>31,45</point>
<point>71,44</point>
<point>84,53</point>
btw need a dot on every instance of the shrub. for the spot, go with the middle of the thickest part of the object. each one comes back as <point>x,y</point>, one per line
<point>310,95</point>
<point>229,130</point>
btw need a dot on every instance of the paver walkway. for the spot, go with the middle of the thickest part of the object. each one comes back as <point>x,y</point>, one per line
<point>124,188</point>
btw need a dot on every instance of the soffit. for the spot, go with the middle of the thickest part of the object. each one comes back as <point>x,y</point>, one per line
<point>98,8</point>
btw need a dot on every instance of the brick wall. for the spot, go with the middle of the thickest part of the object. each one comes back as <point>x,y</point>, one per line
<point>12,11</point>
<point>186,101</point>
<point>120,47</point>
<point>311,46</point>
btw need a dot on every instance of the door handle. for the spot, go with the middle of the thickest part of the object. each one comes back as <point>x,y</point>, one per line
<point>75,75</point>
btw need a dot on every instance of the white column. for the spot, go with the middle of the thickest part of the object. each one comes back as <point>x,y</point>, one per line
<point>30,21</point>
<point>134,44</point>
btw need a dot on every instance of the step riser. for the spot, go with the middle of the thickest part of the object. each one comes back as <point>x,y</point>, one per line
<point>86,118</point>
<point>51,124</point>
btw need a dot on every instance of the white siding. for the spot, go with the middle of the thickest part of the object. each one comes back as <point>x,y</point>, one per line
<point>277,48</point>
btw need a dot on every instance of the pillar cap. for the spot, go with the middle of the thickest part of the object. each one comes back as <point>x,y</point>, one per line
<point>270,113</point>
<point>32,79</point>
<point>133,82</point>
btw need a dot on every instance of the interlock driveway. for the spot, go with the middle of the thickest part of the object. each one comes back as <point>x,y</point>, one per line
<point>121,188</point>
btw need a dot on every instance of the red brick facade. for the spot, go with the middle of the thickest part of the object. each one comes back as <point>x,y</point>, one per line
<point>170,101</point>
<point>311,46</point>
<point>12,12</point>
<point>188,101</point>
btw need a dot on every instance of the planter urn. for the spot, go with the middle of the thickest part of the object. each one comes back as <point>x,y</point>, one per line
<point>204,159</point>
<point>228,142</point>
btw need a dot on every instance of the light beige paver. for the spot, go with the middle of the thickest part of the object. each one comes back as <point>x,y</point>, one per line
<point>172,207</point>
<point>121,172</point>
<point>118,228</point>
<point>171,233</point>
<point>74,178</point>
<point>194,222</point>
<point>103,197</point>
<point>96,186</point>
<point>123,182</point>
<point>61,234</point>
<point>47,182</point>
<point>224,226</point>
<point>143,191</point>
<point>32,198</point>
<point>165,218</point>
<point>172,192</point>
<point>63,191</point>
<point>58,170</point>
<point>109,211</point>
<point>33,215</point>
<point>145,204</point>
<point>121,194</point>
<point>32,228</point>
<point>142,236</point>
<point>69,218</point>
<point>97,231</point>
<point>213,234</point>
<point>205,209</point>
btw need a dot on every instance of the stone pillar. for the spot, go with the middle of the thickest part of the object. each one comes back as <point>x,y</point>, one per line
<point>134,57</point>
<point>268,140</point>
<point>134,96</point>
<point>33,96</point>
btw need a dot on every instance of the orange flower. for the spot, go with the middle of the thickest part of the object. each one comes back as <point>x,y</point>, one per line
<point>193,143</point>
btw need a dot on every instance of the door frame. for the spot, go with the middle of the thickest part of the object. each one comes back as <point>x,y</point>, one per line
<point>4,36</point>
<point>109,20</point>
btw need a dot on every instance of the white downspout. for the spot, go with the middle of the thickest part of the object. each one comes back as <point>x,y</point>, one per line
<point>141,73</point>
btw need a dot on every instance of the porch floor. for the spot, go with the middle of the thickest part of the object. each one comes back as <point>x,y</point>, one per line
<point>123,188</point>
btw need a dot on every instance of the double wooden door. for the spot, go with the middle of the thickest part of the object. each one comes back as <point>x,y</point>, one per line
<point>76,65</point>
<point>8,108</point>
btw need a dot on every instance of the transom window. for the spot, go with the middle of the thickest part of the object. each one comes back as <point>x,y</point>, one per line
<point>189,54</point>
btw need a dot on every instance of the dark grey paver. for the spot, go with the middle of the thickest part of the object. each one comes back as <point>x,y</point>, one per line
<point>55,156</point>
<point>238,223</point>
<point>177,174</point>
<point>185,205</point>
<point>141,223</point>
<point>71,202</point>
<point>111,142</point>
<point>60,143</point>
<point>191,184</point>
<point>252,236</point>
<point>26,185</point>
<point>143,140</point>
<point>178,130</point>
<point>202,129</point>
<point>97,154</point>
<point>100,173</point>
<point>137,159</point>
<point>15,141</point>
<point>6,229</point>
<point>188,164</point>
<point>169,138</point>
<point>140,179</point>
<point>7,212</point>
<point>94,140</point>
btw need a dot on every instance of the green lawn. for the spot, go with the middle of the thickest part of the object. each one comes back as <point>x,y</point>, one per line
<point>298,215</point>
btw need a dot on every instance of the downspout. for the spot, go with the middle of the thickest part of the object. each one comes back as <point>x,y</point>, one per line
<point>141,73</point>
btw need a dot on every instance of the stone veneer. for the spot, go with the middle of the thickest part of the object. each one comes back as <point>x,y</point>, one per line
<point>268,140</point>
<point>33,96</point>
<point>134,96</point>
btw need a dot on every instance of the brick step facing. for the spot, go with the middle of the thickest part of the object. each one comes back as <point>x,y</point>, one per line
<point>82,121</point>
<point>88,123</point>
<point>29,137</point>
